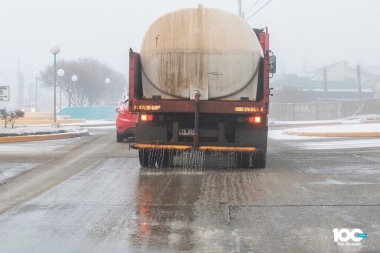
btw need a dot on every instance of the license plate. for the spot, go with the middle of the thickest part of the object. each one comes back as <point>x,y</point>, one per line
<point>186,131</point>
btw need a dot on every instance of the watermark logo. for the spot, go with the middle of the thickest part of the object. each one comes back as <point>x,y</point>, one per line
<point>346,237</point>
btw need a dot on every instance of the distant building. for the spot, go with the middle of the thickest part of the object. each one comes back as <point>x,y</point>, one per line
<point>342,83</point>
<point>341,76</point>
<point>374,83</point>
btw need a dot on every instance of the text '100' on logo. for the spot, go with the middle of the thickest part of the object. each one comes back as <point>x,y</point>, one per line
<point>346,237</point>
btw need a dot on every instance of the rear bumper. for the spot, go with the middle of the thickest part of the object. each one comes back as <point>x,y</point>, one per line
<point>131,131</point>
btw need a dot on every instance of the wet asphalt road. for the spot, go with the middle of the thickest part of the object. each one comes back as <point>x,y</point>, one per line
<point>90,195</point>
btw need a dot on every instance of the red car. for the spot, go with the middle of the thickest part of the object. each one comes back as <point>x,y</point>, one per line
<point>125,122</point>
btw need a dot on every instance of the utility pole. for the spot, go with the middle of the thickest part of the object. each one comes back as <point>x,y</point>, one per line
<point>325,82</point>
<point>20,85</point>
<point>239,3</point>
<point>359,80</point>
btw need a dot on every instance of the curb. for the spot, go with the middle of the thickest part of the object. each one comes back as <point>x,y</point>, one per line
<point>27,138</point>
<point>91,125</point>
<point>371,121</point>
<point>305,124</point>
<point>334,134</point>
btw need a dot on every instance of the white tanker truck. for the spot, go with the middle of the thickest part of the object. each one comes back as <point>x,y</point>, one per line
<point>201,82</point>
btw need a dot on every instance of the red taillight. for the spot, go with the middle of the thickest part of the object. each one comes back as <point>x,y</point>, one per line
<point>254,119</point>
<point>146,117</point>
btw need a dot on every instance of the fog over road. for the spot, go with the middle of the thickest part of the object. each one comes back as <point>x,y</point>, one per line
<point>89,194</point>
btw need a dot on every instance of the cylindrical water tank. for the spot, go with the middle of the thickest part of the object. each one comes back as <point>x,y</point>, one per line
<point>201,49</point>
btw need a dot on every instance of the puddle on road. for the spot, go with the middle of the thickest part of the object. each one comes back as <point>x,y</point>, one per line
<point>11,170</point>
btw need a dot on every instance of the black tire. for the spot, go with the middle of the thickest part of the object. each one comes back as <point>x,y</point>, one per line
<point>147,158</point>
<point>259,160</point>
<point>119,137</point>
<point>262,160</point>
<point>242,159</point>
<point>165,159</point>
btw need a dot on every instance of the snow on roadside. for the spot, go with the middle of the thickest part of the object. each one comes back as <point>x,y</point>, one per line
<point>349,128</point>
<point>348,120</point>
<point>364,117</point>
<point>39,130</point>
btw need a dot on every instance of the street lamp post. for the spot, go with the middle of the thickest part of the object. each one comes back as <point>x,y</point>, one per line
<point>36,75</point>
<point>74,78</point>
<point>55,49</point>
<point>107,82</point>
<point>239,6</point>
<point>60,73</point>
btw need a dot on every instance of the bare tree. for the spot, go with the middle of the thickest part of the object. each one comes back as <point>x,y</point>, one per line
<point>10,117</point>
<point>90,88</point>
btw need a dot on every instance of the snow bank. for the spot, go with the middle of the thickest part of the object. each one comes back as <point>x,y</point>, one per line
<point>38,130</point>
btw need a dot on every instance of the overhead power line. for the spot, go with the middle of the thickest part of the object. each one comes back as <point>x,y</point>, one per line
<point>252,6</point>
<point>259,10</point>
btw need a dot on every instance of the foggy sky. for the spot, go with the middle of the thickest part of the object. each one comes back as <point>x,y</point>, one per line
<point>305,34</point>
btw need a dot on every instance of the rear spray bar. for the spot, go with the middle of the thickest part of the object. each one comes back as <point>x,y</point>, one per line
<point>201,148</point>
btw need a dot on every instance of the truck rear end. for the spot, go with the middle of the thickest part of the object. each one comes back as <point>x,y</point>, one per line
<point>193,96</point>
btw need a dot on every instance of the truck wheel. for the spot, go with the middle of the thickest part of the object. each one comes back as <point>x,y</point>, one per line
<point>259,160</point>
<point>147,158</point>
<point>165,159</point>
<point>262,160</point>
<point>119,137</point>
<point>242,159</point>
